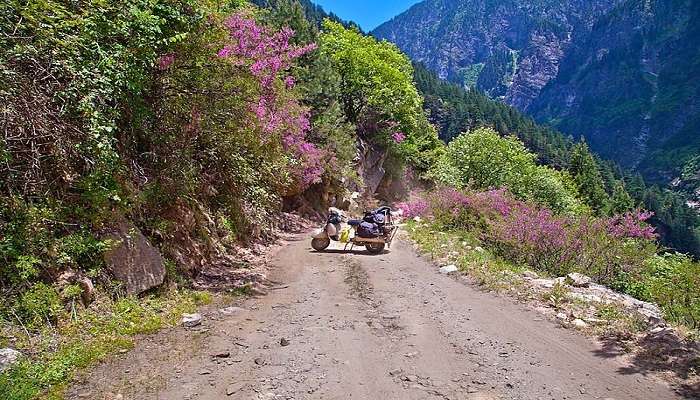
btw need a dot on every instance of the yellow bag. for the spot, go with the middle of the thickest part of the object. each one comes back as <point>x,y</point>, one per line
<point>345,235</point>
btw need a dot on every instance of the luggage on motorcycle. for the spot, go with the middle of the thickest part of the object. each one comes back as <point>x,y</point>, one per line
<point>345,235</point>
<point>368,230</point>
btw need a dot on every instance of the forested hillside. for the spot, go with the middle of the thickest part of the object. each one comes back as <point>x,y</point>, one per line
<point>455,110</point>
<point>620,73</point>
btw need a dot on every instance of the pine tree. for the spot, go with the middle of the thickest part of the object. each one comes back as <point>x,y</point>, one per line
<point>584,169</point>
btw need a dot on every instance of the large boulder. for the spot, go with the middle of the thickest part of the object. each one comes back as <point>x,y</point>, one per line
<point>8,357</point>
<point>133,260</point>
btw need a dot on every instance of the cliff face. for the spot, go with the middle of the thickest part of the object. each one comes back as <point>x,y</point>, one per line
<point>623,73</point>
<point>631,86</point>
<point>509,49</point>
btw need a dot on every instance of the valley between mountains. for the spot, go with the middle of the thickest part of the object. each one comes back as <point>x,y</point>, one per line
<point>342,325</point>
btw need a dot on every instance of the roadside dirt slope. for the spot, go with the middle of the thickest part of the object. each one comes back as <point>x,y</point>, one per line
<point>355,326</point>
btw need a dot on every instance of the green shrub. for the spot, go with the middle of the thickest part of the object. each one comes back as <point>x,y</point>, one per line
<point>39,305</point>
<point>484,160</point>
<point>673,282</point>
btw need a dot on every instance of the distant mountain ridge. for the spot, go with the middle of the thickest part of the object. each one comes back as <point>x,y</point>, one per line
<point>622,73</point>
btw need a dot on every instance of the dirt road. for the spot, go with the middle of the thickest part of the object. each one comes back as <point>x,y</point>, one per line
<point>355,326</point>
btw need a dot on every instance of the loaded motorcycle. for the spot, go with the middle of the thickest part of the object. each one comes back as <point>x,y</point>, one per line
<point>375,231</point>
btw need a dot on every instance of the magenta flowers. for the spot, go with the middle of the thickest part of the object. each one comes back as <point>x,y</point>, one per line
<point>398,137</point>
<point>268,55</point>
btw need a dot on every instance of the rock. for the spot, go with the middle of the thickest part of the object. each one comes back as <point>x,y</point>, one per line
<point>479,249</point>
<point>578,280</point>
<point>448,269</point>
<point>88,294</point>
<point>284,342</point>
<point>234,388</point>
<point>579,324</point>
<point>231,310</point>
<point>191,320</point>
<point>545,283</point>
<point>259,361</point>
<point>8,357</point>
<point>562,316</point>
<point>133,260</point>
<point>71,277</point>
<point>223,354</point>
<point>530,275</point>
<point>204,372</point>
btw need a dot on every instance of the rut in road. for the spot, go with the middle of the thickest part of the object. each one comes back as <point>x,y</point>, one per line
<point>356,326</point>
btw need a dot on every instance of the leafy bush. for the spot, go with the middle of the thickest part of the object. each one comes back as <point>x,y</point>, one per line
<point>484,160</point>
<point>673,282</point>
<point>39,305</point>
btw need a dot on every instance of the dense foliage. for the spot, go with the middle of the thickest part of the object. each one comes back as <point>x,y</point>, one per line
<point>482,160</point>
<point>378,94</point>
<point>603,185</point>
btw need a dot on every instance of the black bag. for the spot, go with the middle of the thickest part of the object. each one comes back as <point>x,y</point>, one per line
<point>368,230</point>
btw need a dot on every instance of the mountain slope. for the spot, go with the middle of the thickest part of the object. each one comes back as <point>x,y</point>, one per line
<point>507,48</point>
<point>629,86</point>
<point>618,72</point>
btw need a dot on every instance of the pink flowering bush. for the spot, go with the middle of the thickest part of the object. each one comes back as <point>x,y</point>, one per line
<point>632,225</point>
<point>415,208</point>
<point>268,54</point>
<point>533,235</point>
<point>398,137</point>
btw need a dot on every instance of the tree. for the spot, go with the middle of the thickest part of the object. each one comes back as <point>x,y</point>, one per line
<point>620,201</point>
<point>376,78</point>
<point>483,160</point>
<point>378,95</point>
<point>584,169</point>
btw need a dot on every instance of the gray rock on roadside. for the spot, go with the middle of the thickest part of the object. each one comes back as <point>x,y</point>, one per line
<point>191,320</point>
<point>8,357</point>
<point>133,260</point>
<point>578,280</point>
<point>448,269</point>
<point>579,324</point>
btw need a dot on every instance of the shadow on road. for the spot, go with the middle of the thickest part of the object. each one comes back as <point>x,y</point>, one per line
<point>353,251</point>
<point>658,352</point>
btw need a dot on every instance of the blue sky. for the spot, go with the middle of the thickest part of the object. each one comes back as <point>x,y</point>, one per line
<point>368,13</point>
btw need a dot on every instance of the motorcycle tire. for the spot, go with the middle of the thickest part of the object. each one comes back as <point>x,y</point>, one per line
<point>375,248</point>
<point>320,244</point>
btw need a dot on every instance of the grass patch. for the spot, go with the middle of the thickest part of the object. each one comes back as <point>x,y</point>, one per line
<point>463,249</point>
<point>55,354</point>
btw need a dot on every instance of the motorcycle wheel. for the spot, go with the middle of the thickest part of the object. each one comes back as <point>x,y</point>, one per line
<point>375,248</point>
<point>320,244</point>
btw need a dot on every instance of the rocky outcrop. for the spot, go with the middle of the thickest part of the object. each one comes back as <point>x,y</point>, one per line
<point>132,260</point>
<point>370,166</point>
<point>509,49</point>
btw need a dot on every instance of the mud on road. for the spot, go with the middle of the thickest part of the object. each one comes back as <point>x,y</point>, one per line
<point>356,326</point>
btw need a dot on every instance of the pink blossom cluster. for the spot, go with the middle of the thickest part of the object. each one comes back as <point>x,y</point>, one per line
<point>267,54</point>
<point>415,208</point>
<point>632,225</point>
<point>398,137</point>
<point>165,61</point>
